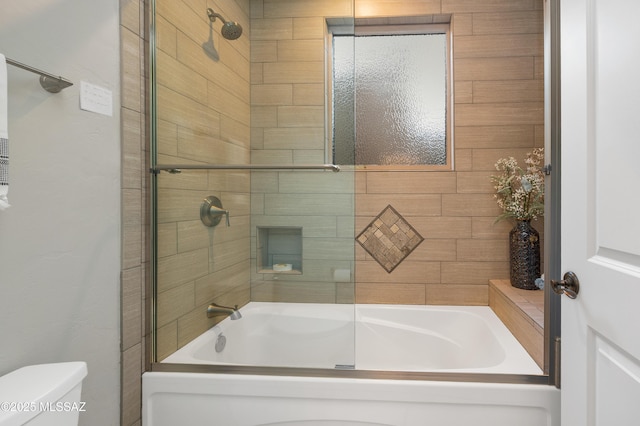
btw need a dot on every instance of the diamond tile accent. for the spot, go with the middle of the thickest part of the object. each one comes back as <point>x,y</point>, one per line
<point>389,238</point>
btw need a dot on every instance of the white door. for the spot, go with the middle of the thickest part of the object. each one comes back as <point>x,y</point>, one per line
<point>600,128</point>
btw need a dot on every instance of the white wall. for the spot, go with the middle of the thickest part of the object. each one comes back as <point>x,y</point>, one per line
<point>60,240</point>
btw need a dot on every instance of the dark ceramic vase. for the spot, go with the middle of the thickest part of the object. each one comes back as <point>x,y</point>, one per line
<point>524,255</point>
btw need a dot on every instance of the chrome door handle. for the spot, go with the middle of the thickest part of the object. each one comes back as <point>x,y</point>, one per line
<point>569,285</point>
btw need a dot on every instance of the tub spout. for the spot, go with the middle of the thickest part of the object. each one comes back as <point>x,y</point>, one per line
<point>215,310</point>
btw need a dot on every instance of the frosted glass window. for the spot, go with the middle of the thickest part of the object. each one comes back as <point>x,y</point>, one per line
<point>400,85</point>
<point>343,101</point>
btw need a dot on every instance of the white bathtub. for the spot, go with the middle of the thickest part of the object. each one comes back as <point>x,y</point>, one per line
<point>417,340</point>
<point>387,337</point>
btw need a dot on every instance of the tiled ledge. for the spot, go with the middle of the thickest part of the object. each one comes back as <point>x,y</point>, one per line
<point>522,311</point>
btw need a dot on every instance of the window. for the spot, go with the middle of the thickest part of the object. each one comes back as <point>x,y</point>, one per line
<point>397,81</point>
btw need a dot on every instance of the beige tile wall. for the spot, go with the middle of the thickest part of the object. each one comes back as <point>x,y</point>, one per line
<point>203,112</point>
<point>498,112</point>
<point>497,58</point>
<point>288,127</point>
<point>135,260</point>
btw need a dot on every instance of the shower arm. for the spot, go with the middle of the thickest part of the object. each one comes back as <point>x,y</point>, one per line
<point>213,15</point>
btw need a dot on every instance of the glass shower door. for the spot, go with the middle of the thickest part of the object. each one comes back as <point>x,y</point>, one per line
<point>245,121</point>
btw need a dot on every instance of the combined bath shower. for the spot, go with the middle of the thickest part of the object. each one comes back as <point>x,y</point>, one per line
<point>230,30</point>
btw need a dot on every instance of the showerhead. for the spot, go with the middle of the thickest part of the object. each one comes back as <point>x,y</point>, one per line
<point>230,30</point>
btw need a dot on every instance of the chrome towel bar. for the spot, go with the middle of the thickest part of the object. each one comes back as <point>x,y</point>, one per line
<point>49,82</point>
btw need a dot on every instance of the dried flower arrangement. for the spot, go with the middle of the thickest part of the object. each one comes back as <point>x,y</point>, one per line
<point>520,192</point>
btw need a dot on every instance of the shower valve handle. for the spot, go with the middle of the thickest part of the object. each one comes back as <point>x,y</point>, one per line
<point>215,211</point>
<point>211,211</point>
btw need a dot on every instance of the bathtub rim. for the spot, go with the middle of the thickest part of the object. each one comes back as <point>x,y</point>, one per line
<point>512,352</point>
<point>542,379</point>
<point>445,376</point>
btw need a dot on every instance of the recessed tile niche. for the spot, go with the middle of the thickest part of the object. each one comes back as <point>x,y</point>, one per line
<point>279,250</point>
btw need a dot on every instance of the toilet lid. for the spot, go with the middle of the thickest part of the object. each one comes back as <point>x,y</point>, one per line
<point>34,384</point>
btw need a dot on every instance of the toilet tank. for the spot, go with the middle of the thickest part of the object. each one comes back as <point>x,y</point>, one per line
<point>44,394</point>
